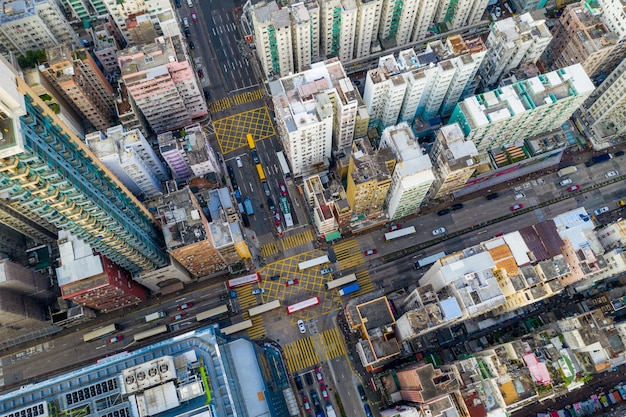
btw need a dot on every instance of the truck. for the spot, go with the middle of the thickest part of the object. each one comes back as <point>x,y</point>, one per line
<point>155,316</point>
<point>598,159</point>
<point>330,411</point>
<point>349,289</point>
<point>566,171</point>
<point>248,205</point>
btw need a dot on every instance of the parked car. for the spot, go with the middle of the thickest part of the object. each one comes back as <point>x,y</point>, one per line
<point>239,163</point>
<point>612,174</point>
<point>306,404</point>
<point>601,210</point>
<point>520,196</point>
<point>298,382</point>
<point>258,291</point>
<point>498,11</point>
<point>180,316</point>
<point>326,271</point>
<point>619,153</point>
<point>368,410</point>
<point>370,252</point>
<point>178,4</point>
<point>200,73</point>
<point>192,45</point>
<point>185,22</point>
<point>185,306</point>
<point>566,181</point>
<point>318,375</point>
<point>361,392</point>
<point>395,227</point>
<point>516,207</point>
<point>439,231</point>
<point>457,206</point>
<point>187,32</point>
<point>116,339</point>
<point>283,189</point>
<point>307,376</point>
<point>291,282</point>
<point>275,277</point>
<point>302,328</point>
<point>324,392</point>
<point>315,398</point>
<point>493,196</point>
<point>443,212</point>
<point>573,188</point>
<point>194,16</point>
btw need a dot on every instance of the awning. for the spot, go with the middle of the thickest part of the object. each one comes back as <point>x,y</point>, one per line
<point>333,236</point>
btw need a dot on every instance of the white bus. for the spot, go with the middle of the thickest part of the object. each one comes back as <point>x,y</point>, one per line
<point>150,332</point>
<point>429,260</point>
<point>263,308</point>
<point>313,262</point>
<point>336,283</point>
<point>310,302</point>
<point>283,164</point>
<point>244,280</point>
<point>101,332</point>
<point>399,233</point>
<point>237,327</point>
<point>214,312</point>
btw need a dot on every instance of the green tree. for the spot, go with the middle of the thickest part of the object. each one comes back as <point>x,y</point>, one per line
<point>32,58</point>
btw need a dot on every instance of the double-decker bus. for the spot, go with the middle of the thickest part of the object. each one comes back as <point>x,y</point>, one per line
<point>263,308</point>
<point>244,280</point>
<point>250,141</point>
<point>237,327</point>
<point>313,262</point>
<point>283,164</point>
<point>284,207</point>
<point>101,332</point>
<point>214,312</point>
<point>150,332</point>
<point>302,305</point>
<point>336,283</point>
<point>399,233</point>
<point>259,170</point>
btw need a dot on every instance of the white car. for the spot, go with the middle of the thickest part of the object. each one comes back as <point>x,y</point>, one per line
<point>601,210</point>
<point>439,231</point>
<point>612,174</point>
<point>520,196</point>
<point>258,291</point>
<point>239,163</point>
<point>301,326</point>
<point>565,182</point>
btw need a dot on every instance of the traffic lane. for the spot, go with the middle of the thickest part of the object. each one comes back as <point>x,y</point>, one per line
<point>225,39</point>
<point>206,53</point>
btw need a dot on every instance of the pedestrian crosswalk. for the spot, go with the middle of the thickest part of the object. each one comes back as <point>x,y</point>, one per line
<point>221,104</point>
<point>293,241</point>
<point>348,254</point>
<point>365,282</point>
<point>257,331</point>
<point>236,100</point>
<point>310,351</point>
<point>269,249</point>
<point>245,298</point>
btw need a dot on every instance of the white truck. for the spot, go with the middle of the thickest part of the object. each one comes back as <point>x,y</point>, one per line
<point>330,411</point>
<point>155,316</point>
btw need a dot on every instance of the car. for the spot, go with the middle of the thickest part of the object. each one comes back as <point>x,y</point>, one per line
<point>318,375</point>
<point>185,22</point>
<point>326,271</point>
<point>493,196</point>
<point>306,404</point>
<point>619,153</point>
<point>443,212</point>
<point>192,45</point>
<point>200,73</point>
<point>307,376</point>
<point>258,291</point>
<point>283,190</point>
<point>516,207</point>
<point>180,316</point>
<point>573,188</point>
<point>324,392</point>
<point>566,181</point>
<point>298,382</point>
<point>275,277</point>
<point>611,174</point>
<point>520,196</point>
<point>370,252</point>
<point>178,4</point>
<point>277,219</point>
<point>194,16</point>
<point>291,282</point>
<point>361,392</point>
<point>187,32</point>
<point>601,210</point>
<point>315,398</point>
<point>457,206</point>
<point>439,231</point>
<point>239,163</point>
<point>270,204</point>
<point>395,227</point>
<point>185,306</point>
<point>368,410</point>
<point>498,12</point>
<point>115,339</point>
<point>302,328</point>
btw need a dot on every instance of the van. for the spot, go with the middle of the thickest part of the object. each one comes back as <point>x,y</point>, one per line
<point>189,3</point>
<point>493,196</point>
<point>266,188</point>
<point>566,181</point>
<point>520,196</point>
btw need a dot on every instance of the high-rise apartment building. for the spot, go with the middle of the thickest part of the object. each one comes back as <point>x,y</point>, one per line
<point>512,42</point>
<point>273,39</point>
<point>78,78</point>
<point>613,14</point>
<point>187,152</point>
<point>34,24</point>
<point>131,159</point>
<point>83,10</point>
<point>384,92</point>
<point>424,18</point>
<point>338,20</point>
<point>412,176</point>
<point>397,19</point>
<point>128,113</point>
<point>368,20</point>
<point>314,110</point>
<point>524,109</point>
<point>105,44</point>
<point>54,180</point>
<point>605,110</point>
<point>306,38</point>
<point>120,11</point>
<point>580,36</point>
<point>460,13</point>
<point>163,83</point>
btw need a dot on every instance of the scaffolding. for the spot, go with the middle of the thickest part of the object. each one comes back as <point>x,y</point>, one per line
<point>398,5</point>
<point>274,53</point>
<point>335,45</point>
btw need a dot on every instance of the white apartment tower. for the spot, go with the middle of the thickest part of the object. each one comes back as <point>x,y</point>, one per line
<point>131,158</point>
<point>412,176</point>
<point>397,20</point>
<point>120,11</point>
<point>368,20</point>
<point>523,110</point>
<point>316,109</point>
<point>338,28</point>
<point>384,92</point>
<point>512,42</point>
<point>459,13</point>
<point>424,17</point>
<point>273,39</point>
<point>305,34</point>
<point>34,24</point>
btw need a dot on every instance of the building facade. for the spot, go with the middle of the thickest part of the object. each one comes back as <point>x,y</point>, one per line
<point>273,39</point>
